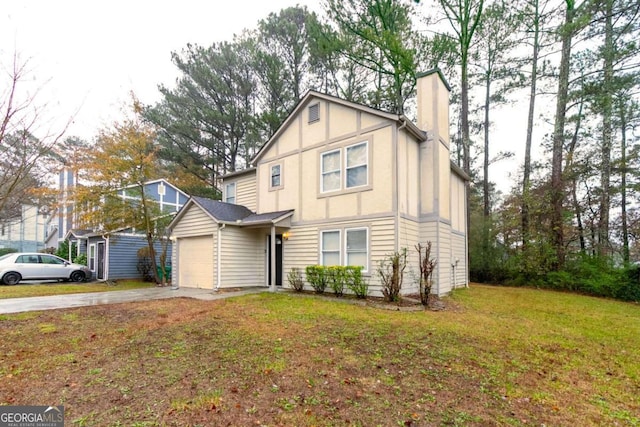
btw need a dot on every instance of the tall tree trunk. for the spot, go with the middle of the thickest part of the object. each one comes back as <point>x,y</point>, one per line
<point>574,181</point>
<point>148,224</point>
<point>605,177</point>
<point>623,186</point>
<point>526,176</point>
<point>557,182</point>
<point>486,212</point>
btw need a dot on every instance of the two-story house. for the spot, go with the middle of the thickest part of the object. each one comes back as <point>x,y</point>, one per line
<point>339,183</point>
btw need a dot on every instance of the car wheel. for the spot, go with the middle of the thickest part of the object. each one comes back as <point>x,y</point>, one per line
<point>77,276</point>
<point>11,278</point>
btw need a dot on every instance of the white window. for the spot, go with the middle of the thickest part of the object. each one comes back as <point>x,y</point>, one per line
<point>230,193</point>
<point>357,165</point>
<point>331,174</point>
<point>354,250</point>
<point>357,247</point>
<point>276,176</point>
<point>355,169</point>
<point>92,257</point>
<point>331,247</point>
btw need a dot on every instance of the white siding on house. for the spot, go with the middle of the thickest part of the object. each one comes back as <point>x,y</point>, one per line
<point>459,260</point>
<point>409,237</point>
<point>194,222</point>
<point>246,193</point>
<point>243,257</point>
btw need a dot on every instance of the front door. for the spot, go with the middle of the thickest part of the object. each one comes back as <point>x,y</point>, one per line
<point>278,259</point>
<point>100,262</point>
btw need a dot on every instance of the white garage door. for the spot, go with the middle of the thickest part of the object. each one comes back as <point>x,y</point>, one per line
<point>195,262</point>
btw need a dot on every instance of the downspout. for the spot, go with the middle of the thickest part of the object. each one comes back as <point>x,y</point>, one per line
<point>219,257</point>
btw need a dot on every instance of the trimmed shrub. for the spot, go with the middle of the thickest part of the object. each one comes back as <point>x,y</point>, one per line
<point>337,277</point>
<point>355,281</point>
<point>317,277</point>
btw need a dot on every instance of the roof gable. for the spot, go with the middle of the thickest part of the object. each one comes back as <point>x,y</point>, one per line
<point>311,95</point>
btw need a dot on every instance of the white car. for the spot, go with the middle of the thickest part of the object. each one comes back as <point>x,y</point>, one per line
<point>19,266</point>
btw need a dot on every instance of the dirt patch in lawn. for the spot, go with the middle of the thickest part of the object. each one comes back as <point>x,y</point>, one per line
<point>267,359</point>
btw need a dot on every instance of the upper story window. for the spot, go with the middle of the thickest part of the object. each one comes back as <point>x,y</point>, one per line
<point>331,171</point>
<point>357,165</point>
<point>275,174</point>
<point>314,112</point>
<point>355,168</point>
<point>230,193</point>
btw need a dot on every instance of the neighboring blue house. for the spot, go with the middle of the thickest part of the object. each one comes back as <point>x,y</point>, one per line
<point>115,255</point>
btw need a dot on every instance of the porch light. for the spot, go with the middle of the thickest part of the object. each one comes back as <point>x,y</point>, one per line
<point>285,235</point>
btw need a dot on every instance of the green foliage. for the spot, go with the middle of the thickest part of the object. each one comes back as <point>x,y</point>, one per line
<point>391,272</point>
<point>295,279</point>
<point>81,259</point>
<point>338,278</point>
<point>63,249</point>
<point>337,275</point>
<point>355,281</point>
<point>586,275</point>
<point>317,276</point>
<point>4,251</point>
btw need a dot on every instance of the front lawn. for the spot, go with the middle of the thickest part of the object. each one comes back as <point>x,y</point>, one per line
<point>36,290</point>
<point>496,356</point>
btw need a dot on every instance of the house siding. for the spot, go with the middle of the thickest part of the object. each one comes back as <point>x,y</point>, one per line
<point>246,193</point>
<point>335,130</point>
<point>123,255</point>
<point>243,257</point>
<point>194,222</point>
<point>303,247</point>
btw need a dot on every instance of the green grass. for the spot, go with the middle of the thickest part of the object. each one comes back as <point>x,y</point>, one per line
<point>497,356</point>
<point>36,290</point>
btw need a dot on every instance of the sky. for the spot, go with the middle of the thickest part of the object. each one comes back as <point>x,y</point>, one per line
<point>87,57</point>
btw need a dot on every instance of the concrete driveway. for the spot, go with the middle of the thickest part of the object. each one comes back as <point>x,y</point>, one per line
<point>17,305</point>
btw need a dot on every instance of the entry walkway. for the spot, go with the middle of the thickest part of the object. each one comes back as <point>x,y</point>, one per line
<point>18,305</point>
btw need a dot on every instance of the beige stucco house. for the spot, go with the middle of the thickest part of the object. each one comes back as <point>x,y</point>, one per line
<point>338,184</point>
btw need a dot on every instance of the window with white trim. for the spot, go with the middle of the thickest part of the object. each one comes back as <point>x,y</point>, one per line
<point>230,193</point>
<point>92,257</point>
<point>356,247</point>
<point>353,250</point>
<point>276,176</point>
<point>355,168</point>
<point>331,171</point>
<point>330,247</point>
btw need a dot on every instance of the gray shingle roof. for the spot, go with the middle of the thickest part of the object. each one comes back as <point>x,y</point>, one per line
<point>265,217</point>
<point>228,212</point>
<point>222,211</point>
